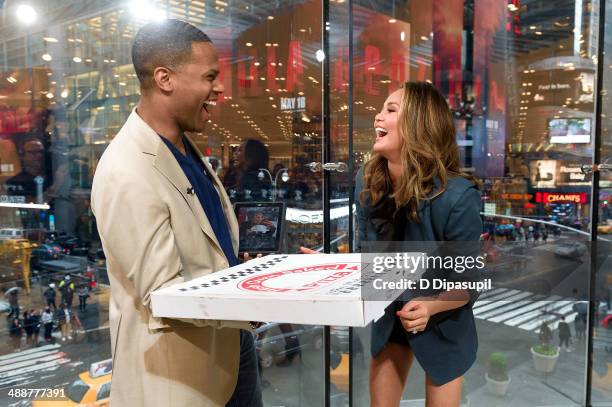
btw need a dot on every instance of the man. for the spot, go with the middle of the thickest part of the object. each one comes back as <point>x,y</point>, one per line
<point>259,224</point>
<point>564,334</point>
<point>50,296</point>
<point>32,154</point>
<point>164,218</point>
<point>67,288</point>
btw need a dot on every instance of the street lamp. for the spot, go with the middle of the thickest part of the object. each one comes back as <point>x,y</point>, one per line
<point>284,177</point>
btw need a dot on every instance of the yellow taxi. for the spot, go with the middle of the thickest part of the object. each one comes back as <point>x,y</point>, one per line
<point>605,228</point>
<point>91,389</point>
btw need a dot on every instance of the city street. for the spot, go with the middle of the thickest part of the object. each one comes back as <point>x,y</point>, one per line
<point>58,363</point>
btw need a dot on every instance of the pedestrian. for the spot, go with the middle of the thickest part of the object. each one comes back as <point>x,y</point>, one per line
<point>50,296</point>
<point>75,324</point>
<point>83,293</point>
<point>67,289</point>
<point>564,334</point>
<point>579,327</point>
<point>92,284</point>
<point>47,321</point>
<point>15,333</point>
<point>13,299</point>
<point>63,316</point>
<point>530,234</point>
<point>545,334</point>
<point>35,321</point>
<point>27,327</point>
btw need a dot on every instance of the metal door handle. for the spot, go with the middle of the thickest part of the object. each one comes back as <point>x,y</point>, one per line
<point>317,166</point>
<point>587,169</point>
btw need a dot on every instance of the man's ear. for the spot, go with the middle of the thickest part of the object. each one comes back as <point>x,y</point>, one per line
<point>162,77</point>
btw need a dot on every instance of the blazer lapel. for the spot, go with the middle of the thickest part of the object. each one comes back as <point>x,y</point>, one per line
<point>166,164</point>
<point>225,201</point>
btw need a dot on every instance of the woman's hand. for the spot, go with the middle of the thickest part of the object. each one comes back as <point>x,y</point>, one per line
<point>415,314</point>
<point>247,257</point>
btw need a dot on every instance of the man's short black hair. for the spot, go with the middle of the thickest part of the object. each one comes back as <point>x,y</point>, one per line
<point>165,43</point>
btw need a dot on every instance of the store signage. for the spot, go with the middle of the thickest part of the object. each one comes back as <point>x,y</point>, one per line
<point>554,86</point>
<point>550,197</point>
<point>16,199</point>
<point>575,173</point>
<point>293,104</point>
<point>286,73</point>
<point>517,197</point>
<point>15,120</point>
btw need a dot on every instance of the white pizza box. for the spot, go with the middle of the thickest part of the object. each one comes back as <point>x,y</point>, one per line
<point>313,289</point>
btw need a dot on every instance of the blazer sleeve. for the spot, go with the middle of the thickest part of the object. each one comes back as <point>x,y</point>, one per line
<point>137,234</point>
<point>463,228</point>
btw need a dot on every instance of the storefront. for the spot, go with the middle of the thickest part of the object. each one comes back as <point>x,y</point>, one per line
<point>303,81</point>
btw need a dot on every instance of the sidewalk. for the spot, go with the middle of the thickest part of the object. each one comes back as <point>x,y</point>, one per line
<point>563,387</point>
<point>35,300</point>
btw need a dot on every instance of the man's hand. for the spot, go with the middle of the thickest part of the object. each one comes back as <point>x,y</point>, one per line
<point>415,314</point>
<point>305,250</point>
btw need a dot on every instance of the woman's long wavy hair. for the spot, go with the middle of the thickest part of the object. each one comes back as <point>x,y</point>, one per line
<point>429,151</point>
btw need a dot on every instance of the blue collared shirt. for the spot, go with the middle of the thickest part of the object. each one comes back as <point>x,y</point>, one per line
<point>207,195</point>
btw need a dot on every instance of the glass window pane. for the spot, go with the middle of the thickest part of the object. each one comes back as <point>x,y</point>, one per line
<point>519,80</point>
<point>67,85</point>
<point>602,345</point>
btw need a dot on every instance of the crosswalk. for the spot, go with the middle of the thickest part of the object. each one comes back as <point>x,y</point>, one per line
<point>523,310</point>
<point>21,368</point>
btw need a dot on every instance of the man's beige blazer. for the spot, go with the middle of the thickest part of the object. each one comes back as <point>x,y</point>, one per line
<point>154,234</point>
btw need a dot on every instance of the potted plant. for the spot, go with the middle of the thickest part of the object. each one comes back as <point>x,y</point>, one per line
<point>545,355</point>
<point>497,374</point>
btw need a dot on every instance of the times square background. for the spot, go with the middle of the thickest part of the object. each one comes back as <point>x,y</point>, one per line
<point>519,76</point>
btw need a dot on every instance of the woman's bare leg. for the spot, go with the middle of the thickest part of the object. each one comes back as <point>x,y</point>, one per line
<point>388,373</point>
<point>446,395</point>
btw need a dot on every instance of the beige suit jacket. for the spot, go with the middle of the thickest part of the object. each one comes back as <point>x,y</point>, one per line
<point>155,234</point>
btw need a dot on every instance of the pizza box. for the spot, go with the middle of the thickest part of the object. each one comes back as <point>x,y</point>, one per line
<point>313,289</point>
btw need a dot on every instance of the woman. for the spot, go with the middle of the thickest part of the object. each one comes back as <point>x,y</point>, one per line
<point>64,317</point>
<point>28,327</point>
<point>16,332</point>
<point>412,189</point>
<point>47,321</point>
<point>251,183</point>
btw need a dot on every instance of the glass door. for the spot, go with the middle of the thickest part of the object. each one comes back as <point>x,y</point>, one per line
<point>520,78</point>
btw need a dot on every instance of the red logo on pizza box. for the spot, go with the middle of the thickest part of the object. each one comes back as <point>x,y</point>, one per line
<point>296,280</point>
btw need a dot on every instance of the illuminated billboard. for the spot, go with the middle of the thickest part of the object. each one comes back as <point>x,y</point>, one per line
<point>569,130</point>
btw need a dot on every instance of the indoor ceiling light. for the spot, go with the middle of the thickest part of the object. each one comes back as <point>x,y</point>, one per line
<point>26,14</point>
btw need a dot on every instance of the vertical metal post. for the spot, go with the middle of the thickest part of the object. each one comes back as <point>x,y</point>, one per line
<point>351,174</point>
<point>468,75</point>
<point>326,142</point>
<point>595,199</point>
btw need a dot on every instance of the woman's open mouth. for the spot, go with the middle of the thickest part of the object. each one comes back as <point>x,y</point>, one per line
<point>380,132</point>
